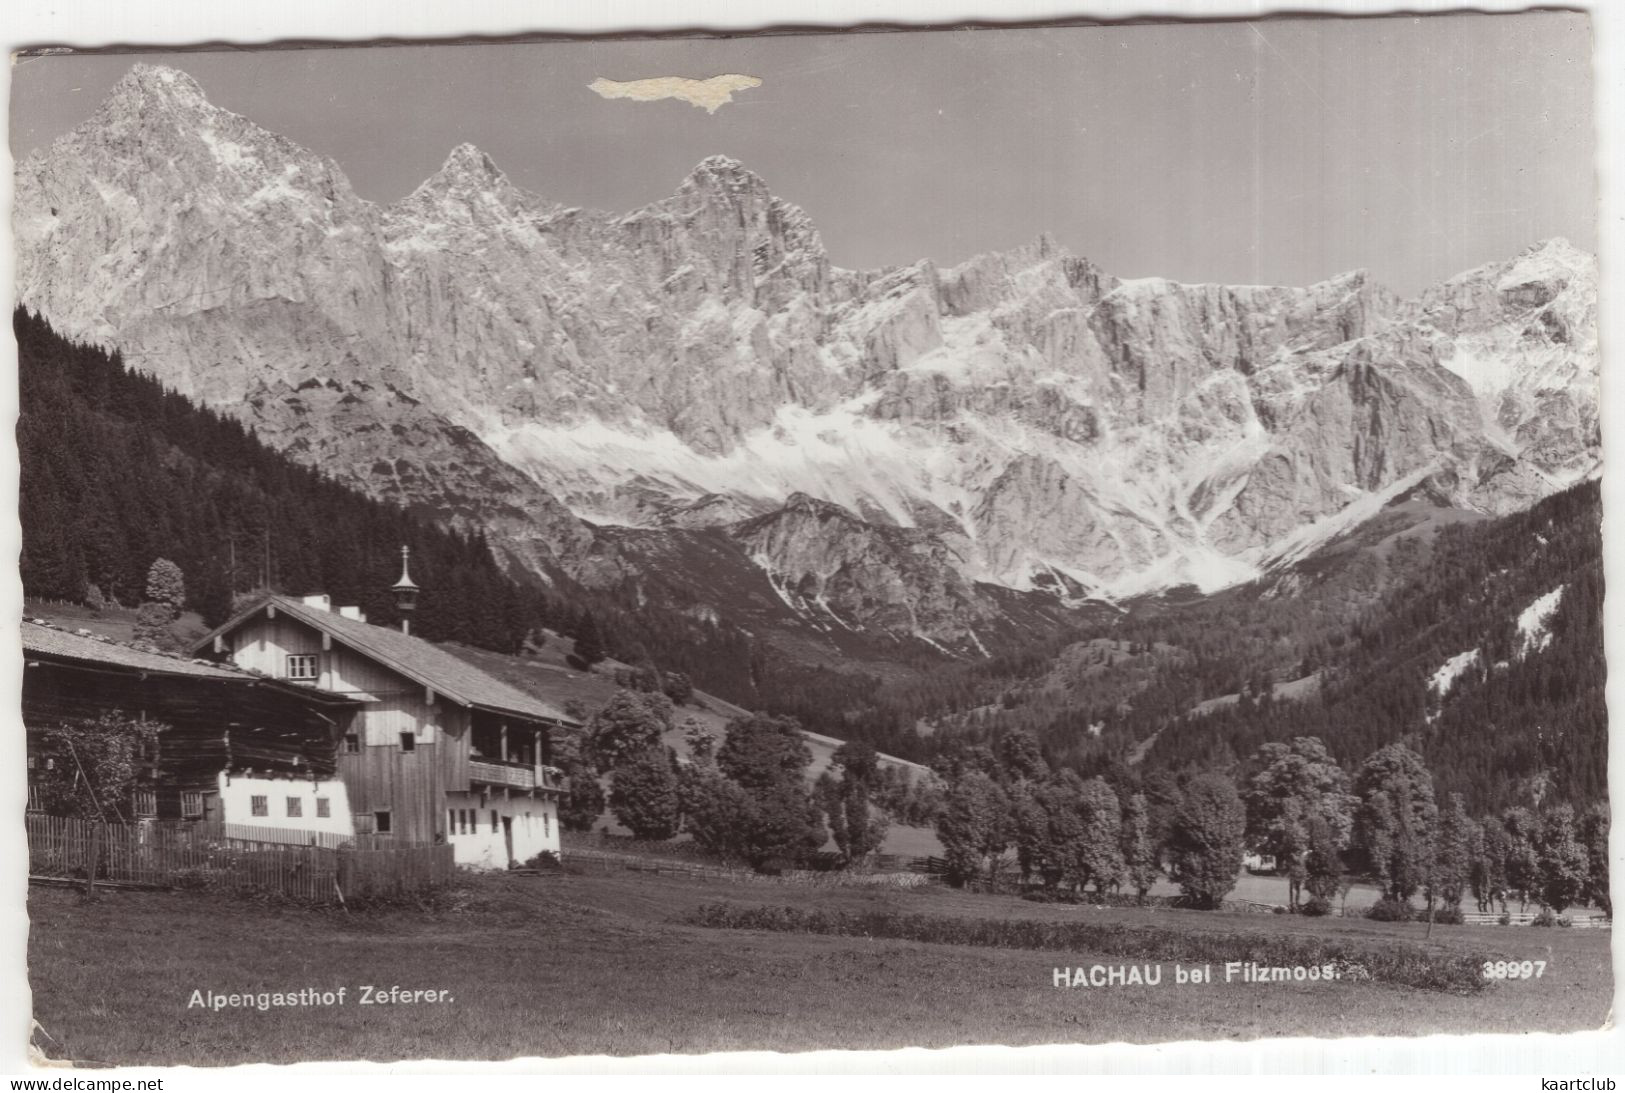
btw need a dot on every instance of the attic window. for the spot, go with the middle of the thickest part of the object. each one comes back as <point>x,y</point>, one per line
<point>409,741</point>
<point>381,822</point>
<point>352,743</point>
<point>302,666</point>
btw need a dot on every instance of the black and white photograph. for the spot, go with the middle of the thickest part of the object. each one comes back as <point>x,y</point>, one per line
<point>811,540</point>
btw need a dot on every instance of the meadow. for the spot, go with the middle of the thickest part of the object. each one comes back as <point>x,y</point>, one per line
<point>611,964</point>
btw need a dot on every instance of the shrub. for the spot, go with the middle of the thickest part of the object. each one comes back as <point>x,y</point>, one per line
<point>1389,909</point>
<point>1448,915</point>
<point>1504,920</point>
<point>1315,907</point>
<point>1545,918</point>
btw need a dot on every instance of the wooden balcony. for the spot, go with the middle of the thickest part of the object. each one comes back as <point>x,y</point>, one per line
<point>494,772</point>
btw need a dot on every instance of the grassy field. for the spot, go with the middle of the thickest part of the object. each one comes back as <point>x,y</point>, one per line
<point>588,964</point>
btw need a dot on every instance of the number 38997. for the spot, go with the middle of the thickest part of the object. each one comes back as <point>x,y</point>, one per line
<point>1514,969</point>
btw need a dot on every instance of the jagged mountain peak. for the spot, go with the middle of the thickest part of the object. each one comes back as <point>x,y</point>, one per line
<point>466,160</point>
<point>1558,246</point>
<point>726,176</point>
<point>144,83</point>
<point>467,170</point>
<point>720,164</point>
<point>805,503</point>
<point>469,177</point>
<point>1552,258</point>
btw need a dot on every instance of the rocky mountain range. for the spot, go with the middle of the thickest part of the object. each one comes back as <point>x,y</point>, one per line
<point>690,399</point>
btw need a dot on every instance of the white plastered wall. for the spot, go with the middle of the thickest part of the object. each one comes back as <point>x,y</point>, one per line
<point>237,793</point>
<point>535,823</point>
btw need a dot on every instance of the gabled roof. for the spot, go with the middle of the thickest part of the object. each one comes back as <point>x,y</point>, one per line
<point>45,641</point>
<point>418,660</point>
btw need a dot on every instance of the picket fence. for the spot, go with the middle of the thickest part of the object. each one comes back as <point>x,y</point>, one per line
<point>1583,920</point>
<point>318,868</point>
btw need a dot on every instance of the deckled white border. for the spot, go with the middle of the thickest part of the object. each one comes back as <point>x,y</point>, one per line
<point>89,23</point>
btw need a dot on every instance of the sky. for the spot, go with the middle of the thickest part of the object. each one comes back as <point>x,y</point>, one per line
<point>1274,151</point>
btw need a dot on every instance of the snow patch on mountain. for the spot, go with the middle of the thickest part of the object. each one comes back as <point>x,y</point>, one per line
<point>1441,681</point>
<point>1534,622</point>
<point>1362,507</point>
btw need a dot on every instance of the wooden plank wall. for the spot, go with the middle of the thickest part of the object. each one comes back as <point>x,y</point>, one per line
<point>382,776</point>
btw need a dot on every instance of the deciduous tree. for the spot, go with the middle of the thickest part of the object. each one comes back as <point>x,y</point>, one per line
<point>1562,862</point>
<point>973,826</point>
<point>1453,853</point>
<point>1594,836</point>
<point>629,724</point>
<point>643,793</point>
<point>1396,819</point>
<point>761,751</point>
<point>1139,849</point>
<point>1206,841</point>
<point>1294,783</point>
<point>1096,857</point>
<point>583,799</point>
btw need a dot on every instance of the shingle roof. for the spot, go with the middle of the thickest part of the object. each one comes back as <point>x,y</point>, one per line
<point>48,641</point>
<point>416,659</point>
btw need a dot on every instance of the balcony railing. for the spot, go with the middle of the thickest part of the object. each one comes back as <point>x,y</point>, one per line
<point>501,774</point>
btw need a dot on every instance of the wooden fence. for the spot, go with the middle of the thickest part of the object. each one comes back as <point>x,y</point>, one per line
<point>204,856</point>
<point>1585,920</point>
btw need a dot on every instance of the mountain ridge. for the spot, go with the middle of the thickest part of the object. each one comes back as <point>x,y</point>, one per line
<point>1034,422</point>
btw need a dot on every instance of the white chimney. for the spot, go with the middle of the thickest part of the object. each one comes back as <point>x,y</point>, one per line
<point>352,613</point>
<point>321,600</point>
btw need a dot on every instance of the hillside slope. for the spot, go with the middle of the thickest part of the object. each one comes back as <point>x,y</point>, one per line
<point>1478,641</point>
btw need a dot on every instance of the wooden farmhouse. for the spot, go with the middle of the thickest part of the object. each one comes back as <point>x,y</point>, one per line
<point>438,749</point>
<point>234,748</point>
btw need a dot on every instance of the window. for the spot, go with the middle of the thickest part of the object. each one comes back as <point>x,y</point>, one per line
<point>146,802</point>
<point>381,822</point>
<point>191,804</point>
<point>409,741</point>
<point>495,826</point>
<point>323,809</point>
<point>352,742</point>
<point>463,823</point>
<point>35,804</point>
<point>259,806</point>
<point>302,666</point>
<point>451,820</point>
<point>296,807</point>
<point>547,826</point>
